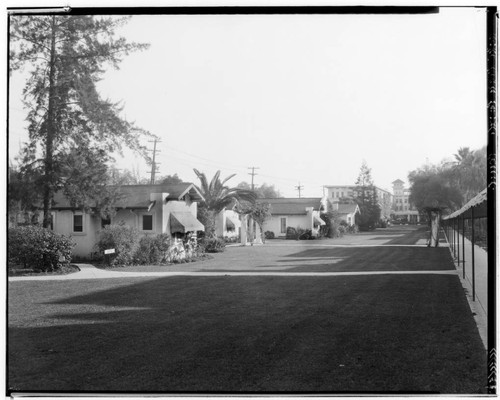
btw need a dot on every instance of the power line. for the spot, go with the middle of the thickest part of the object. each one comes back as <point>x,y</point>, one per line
<point>299,188</point>
<point>154,168</point>
<point>252,173</point>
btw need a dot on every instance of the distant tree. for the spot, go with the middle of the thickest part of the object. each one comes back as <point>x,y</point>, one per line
<point>433,193</point>
<point>217,197</point>
<point>470,171</point>
<point>171,180</point>
<point>66,115</point>
<point>366,198</point>
<point>21,198</point>
<point>264,191</point>
<point>260,212</point>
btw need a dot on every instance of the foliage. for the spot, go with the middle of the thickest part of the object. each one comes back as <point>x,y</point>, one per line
<point>171,180</point>
<point>432,192</point>
<point>20,194</point>
<point>306,235</point>
<point>123,238</point>
<point>217,197</point>
<point>72,130</point>
<point>366,197</point>
<point>258,211</point>
<point>269,235</point>
<point>469,170</point>
<point>291,233</point>
<point>152,249</point>
<point>264,191</point>
<point>332,224</point>
<point>118,177</point>
<point>39,248</point>
<point>213,244</point>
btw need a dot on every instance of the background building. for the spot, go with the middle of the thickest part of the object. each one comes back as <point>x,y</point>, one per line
<point>403,210</point>
<point>335,193</point>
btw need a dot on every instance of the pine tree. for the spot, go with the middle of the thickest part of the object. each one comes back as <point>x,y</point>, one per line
<point>67,116</point>
<point>366,197</point>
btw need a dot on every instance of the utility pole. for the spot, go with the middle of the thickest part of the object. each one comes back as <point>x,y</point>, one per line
<point>252,173</point>
<point>299,188</point>
<point>154,167</point>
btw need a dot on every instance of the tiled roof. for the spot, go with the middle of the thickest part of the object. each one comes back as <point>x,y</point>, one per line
<point>292,206</point>
<point>138,196</point>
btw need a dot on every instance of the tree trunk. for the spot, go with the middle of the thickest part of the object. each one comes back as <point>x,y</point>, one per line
<point>435,219</point>
<point>50,126</point>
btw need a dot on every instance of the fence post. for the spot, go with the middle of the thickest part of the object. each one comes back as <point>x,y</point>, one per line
<point>463,243</point>
<point>458,239</point>
<point>473,261</point>
<point>454,238</point>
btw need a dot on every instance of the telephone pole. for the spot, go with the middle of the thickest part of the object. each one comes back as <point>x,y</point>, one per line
<point>299,188</point>
<point>154,164</point>
<point>252,173</point>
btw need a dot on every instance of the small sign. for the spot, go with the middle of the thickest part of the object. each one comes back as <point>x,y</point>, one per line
<point>109,251</point>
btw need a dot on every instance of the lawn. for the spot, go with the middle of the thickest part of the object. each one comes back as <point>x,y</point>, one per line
<point>383,333</point>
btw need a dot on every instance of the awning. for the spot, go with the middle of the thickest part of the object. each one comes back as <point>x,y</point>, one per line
<point>184,222</point>
<point>318,221</point>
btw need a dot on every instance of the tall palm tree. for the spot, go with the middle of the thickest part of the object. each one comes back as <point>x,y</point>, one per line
<point>219,196</point>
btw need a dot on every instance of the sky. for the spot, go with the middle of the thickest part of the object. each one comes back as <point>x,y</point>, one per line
<point>304,98</point>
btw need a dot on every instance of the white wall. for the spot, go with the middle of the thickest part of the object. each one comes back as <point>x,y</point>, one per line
<point>63,224</point>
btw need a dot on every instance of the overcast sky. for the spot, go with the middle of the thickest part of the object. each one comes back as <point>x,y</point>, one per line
<point>306,98</point>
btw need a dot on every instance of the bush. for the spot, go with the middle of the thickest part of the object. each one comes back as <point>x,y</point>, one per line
<point>291,233</point>
<point>352,229</point>
<point>213,245</point>
<point>123,238</point>
<point>39,248</point>
<point>269,235</point>
<point>306,235</point>
<point>342,230</point>
<point>152,249</point>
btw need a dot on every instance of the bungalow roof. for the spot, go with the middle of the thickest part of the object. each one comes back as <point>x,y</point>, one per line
<point>292,206</point>
<point>347,208</point>
<point>138,196</point>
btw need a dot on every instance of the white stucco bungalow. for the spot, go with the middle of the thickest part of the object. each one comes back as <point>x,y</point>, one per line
<point>296,213</point>
<point>346,212</point>
<point>152,209</point>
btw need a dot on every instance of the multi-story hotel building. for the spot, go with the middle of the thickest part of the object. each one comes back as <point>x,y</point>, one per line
<point>335,193</point>
<point>402,208</point>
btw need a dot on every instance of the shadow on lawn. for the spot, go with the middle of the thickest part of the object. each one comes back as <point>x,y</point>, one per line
<point>253,334</point>
<point>359,259</point>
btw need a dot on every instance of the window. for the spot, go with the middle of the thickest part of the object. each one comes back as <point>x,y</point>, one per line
<point>147,222</point>
<point>78,223</point>
<point>283,225</point>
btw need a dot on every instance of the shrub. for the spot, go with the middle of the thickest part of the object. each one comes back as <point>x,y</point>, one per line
<point>306,235</point>
<point>269,235</point>
<point>213,245</point>
<point>123,238</point>
<point>291,233</point>
<point>39,248</point>
<point>152,249</point>
<point>342,230</point>
<point>353,229</point>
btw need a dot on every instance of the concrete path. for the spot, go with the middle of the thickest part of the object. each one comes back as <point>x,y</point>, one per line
<point>88,271</point>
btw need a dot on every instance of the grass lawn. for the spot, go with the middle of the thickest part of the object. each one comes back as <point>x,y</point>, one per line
<point>389,333</point>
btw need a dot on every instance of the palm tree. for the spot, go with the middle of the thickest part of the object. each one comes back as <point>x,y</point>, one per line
<point>217,197</point>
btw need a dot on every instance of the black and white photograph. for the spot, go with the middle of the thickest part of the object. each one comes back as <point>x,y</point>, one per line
<point>282,200</point>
